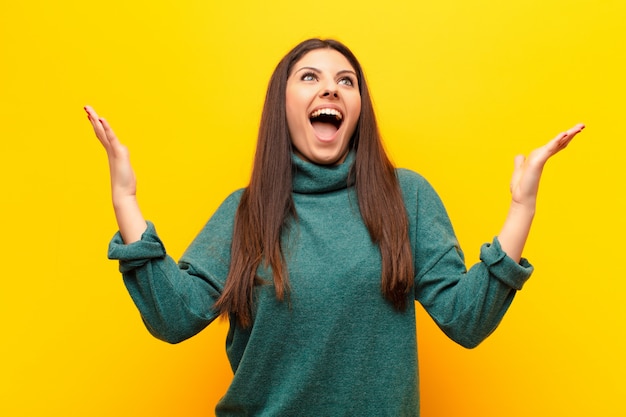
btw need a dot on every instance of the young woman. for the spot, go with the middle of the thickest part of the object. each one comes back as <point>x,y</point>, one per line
<point>318,261</point>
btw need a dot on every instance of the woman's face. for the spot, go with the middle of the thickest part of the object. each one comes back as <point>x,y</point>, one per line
<point>323,105</point>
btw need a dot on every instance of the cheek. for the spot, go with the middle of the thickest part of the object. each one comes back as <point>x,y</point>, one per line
<point>357,104</point>
<point>294,124</point>
<point>293,109</point>
<point>290,113</point>
<point>356,109</point>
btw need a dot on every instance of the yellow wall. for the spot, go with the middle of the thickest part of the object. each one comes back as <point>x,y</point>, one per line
<point>460,87</point>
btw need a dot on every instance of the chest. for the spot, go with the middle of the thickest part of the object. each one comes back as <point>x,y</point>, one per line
<point>328,249</point>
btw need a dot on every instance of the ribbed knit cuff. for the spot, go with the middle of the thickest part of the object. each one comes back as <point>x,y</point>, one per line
<point>138,253</point>
<point>503,267</point>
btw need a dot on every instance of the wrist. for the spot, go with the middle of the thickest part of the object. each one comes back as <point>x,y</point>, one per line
<point>123,201</point>
<point>524,210</point>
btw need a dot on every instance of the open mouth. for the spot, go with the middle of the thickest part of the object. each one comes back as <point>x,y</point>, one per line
<point>326,122</point>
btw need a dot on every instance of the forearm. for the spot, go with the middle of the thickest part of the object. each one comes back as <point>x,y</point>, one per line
<point>175,301</point>
<point>514,232</point>
<point>130,221</point>
<point>468,306</point>
<point>174,305</point>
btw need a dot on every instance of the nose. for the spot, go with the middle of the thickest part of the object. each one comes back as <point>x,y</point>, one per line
<point>329,93</point>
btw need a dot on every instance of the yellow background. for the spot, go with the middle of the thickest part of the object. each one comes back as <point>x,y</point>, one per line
<point>459,87</point>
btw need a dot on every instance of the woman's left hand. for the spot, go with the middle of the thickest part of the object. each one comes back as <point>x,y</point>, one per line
<point>524,187</point>
<point>527,172</point>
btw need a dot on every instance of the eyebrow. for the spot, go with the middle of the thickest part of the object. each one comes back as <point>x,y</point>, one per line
<point>345,71</point>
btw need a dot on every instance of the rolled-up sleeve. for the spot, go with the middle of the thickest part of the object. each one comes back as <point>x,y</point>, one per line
<point>137,254</point>
<point>175,299</point>
<point>466,304</point>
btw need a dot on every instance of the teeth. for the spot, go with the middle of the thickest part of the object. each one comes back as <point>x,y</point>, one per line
<point>328,112</point>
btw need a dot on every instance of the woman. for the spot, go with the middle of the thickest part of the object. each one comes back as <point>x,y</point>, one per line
<point>317,262</point>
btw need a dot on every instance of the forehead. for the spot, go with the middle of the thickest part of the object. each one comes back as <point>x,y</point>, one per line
<point>325,59</point>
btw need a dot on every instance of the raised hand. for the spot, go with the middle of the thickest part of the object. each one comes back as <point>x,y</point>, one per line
<point>123,181</point>
<point>527,172</point>
<point>524,188</point>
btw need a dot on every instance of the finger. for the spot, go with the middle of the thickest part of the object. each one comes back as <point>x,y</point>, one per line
<point>104,133</point>
<point>108,131</point>
<point>563,139</point>
<point>570,133</point>
<point>91,113</point>
<point>117,148</point>
<point>97,126</point>
<point>576,129</point>
<point>518,164</point>
<point>92,116</point>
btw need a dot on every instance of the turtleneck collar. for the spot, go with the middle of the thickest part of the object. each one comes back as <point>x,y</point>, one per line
<point>310,178</point>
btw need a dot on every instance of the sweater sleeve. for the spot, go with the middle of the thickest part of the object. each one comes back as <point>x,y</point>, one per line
<point>176,300</point>
<point>466,304</point>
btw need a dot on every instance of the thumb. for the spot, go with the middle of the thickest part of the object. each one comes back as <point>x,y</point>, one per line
<point>518,164</point>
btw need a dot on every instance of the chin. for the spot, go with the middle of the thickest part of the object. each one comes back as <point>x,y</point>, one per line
<point>322,155</point>
<point>336,159</point>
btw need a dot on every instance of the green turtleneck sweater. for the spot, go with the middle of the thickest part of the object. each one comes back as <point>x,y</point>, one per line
<point>338,348</point>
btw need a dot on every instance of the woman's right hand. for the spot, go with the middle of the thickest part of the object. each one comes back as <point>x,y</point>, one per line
<point>123,182</point>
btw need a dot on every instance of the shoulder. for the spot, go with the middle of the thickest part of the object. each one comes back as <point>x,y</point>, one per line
<point>410,181</point>
<point>223,218</point>
<point>215,236</point>
<point>231,202</point>
<point>418,193</point>
<point>227,209</point>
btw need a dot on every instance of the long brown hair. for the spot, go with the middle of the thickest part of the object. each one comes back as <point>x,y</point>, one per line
<point>266,204</point>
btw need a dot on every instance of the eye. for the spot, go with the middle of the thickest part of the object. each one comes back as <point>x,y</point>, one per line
<point>347,81</point>
<point>308,76</point>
